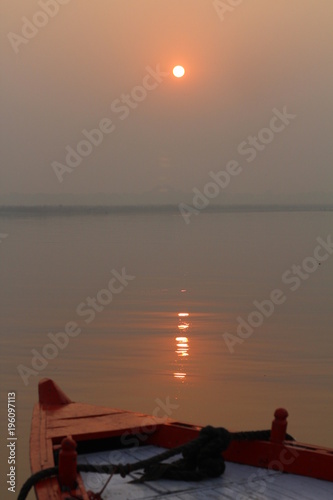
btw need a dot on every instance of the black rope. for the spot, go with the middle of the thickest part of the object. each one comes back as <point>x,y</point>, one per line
<point>255,436</point>
<point>34,479</point>
<point>121,469</point>
<point>202,458</point>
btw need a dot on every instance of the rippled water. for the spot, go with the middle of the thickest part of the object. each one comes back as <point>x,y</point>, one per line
<point>158,339</point>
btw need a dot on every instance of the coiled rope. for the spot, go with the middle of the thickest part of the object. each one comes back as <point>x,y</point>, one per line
<point>202,458</point>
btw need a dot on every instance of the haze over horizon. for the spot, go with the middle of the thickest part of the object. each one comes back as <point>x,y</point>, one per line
<point>257,91</point>
<point>164,197</point>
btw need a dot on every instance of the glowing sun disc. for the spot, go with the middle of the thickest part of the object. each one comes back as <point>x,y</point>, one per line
<point>178,71</point>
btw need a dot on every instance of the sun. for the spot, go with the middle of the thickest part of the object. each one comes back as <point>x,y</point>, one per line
<point>178,71</point>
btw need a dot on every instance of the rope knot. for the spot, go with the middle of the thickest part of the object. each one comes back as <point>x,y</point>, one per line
<point>124,469</point>
<point>202,458</point>
<point>219,434</point>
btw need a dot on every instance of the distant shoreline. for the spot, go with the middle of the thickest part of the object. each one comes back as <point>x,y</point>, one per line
<point>151,209</point>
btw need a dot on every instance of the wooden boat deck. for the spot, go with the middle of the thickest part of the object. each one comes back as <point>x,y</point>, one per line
<point>239,482</point>
<point>250,474</point>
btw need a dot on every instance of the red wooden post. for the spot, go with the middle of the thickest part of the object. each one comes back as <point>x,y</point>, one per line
<point>67,463</point>
<point>279,426</point>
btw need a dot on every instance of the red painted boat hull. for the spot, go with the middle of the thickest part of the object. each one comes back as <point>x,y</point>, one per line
<point>55,417</point>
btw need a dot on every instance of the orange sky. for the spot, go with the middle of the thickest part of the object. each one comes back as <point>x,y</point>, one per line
<point>261,55</point>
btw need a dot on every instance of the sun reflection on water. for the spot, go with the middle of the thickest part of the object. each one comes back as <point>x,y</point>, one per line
<point>182,346</point>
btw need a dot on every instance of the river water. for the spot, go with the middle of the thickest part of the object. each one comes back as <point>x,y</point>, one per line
<point>152,306</point>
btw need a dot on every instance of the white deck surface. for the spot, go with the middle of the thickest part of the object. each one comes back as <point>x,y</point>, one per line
<point>239,482</point>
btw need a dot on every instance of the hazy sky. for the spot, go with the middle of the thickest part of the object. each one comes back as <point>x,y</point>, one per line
<point>71,73</point>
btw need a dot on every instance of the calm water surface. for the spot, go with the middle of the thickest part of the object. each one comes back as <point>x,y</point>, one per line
<point>137,350</point>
